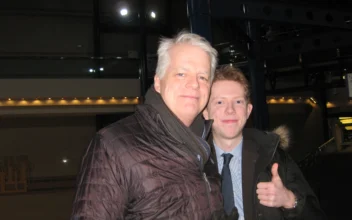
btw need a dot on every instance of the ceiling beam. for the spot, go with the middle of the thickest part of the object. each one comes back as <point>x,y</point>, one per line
<point>325,41</point>
<point>280,13</point>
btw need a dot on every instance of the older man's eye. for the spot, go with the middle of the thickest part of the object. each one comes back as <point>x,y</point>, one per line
<point>180,74</point>
<point>203,78</point>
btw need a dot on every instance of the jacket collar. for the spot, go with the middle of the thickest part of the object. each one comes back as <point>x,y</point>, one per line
<point>199,126</point>
<point>188,136</point>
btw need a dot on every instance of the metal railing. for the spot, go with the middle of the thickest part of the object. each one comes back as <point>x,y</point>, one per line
<point>311,159</point>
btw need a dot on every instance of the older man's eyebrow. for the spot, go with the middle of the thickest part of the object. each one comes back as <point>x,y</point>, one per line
<point>205,73</point>
<point>179,68</point>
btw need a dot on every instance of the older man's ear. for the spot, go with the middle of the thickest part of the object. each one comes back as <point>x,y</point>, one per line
<point>205,114</point>
<point>157,83</point>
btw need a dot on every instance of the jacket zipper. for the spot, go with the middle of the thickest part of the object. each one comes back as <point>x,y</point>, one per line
<point>254,195</point>
<point>208,188</point>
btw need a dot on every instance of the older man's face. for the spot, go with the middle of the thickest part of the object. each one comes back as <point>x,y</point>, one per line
<point>186,85</point>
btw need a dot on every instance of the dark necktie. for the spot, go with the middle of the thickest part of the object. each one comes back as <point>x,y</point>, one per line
<point>226,186</point>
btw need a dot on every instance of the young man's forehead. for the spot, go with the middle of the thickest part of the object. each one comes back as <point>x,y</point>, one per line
<point>224,96</point>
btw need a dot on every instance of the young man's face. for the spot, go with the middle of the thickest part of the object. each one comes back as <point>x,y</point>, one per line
<point>228,108</point>
<point>185,87</point>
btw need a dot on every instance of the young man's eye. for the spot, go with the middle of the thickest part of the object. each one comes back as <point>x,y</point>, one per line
<point>239,101</point>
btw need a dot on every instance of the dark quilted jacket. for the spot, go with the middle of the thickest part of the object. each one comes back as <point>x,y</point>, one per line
<point>135,169</point>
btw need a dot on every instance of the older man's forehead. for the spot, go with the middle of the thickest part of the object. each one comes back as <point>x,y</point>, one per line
<point>186,68</point>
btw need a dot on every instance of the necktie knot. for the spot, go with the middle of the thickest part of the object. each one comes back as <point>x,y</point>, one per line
<point>227,159</point>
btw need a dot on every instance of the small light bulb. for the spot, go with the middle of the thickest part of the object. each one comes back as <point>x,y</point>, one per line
<point>124,12</point>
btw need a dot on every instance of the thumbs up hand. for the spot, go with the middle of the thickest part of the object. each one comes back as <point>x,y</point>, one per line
<point>274,193</point>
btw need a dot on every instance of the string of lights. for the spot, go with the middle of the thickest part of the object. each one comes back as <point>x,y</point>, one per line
<point>69,101</point>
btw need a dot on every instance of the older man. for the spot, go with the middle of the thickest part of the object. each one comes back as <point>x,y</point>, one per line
<point>151,165</point>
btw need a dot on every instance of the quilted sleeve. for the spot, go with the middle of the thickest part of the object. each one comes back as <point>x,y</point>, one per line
<point>101,187</point>
<point>308,205</point>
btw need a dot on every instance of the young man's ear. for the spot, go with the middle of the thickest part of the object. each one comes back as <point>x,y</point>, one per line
<point>157,83</point>
<point>206,114</point>
<point>249,109</point>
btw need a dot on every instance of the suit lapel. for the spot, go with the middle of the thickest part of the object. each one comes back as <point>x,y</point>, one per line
<point>255,159</point>
<point>249,158</point>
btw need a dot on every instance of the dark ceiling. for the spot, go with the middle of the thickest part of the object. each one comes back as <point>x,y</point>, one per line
<point>299,40</point>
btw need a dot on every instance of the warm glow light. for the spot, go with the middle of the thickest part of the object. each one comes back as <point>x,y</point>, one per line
<point>37,102</point>
<point>75,101</point>
<point>341,118</point>
<point>152,14</point>
<point>348,128</point>
<point>64,160</point>
<point>101,101</point>
<point>88,101</point>
<point>23,102</point>
<point>330,105</point>
<point>62,101</point>
<point>346,121</point>
<point>289,100</point>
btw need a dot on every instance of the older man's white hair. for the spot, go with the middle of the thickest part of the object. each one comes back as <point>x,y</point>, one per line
<point>184,37</point>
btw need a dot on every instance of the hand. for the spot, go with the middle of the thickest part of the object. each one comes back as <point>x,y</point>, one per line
<point>274,193</point>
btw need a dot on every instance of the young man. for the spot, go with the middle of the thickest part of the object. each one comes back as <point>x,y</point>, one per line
<point>259,179</point>
<point>151,165</point>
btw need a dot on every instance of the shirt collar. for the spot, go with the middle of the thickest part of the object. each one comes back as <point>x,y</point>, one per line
<point>236,152</point>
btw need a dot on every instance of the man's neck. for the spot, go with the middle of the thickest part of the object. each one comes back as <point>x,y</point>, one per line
<point>227,145</point>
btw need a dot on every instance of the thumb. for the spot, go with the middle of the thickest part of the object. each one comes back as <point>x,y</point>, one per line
<point>274,171</point>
